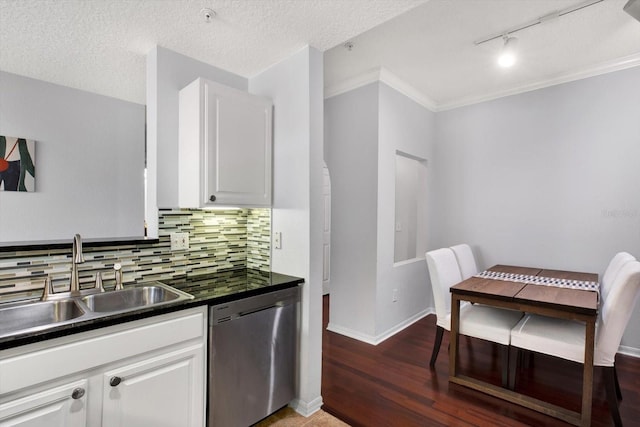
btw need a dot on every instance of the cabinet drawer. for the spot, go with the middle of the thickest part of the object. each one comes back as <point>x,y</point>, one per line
<point>89,350</point>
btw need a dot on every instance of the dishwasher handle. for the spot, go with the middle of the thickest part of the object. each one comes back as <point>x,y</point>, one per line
<point>257,309</point>
<point>222,313</point>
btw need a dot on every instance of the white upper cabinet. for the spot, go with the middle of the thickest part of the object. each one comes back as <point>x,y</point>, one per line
<point>225,144</point>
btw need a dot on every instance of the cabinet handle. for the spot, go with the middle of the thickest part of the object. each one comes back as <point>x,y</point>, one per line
<point>212,198</point>
<point>77,393</point>
<point>114,381</point>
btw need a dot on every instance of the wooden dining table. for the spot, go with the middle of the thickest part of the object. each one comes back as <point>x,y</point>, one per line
<point>522,294</point>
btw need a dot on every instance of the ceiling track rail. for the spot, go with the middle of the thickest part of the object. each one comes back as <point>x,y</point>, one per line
<point>545,18</point>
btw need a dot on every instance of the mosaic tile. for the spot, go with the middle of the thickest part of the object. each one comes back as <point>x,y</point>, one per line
<point>218,240</point>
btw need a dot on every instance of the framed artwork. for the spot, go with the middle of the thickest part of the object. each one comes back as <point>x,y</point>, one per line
<point>17,164</point>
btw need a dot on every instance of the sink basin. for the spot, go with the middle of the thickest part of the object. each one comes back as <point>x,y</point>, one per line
<point>132,298</point>
<point>32,316</point>
<point>27,317</point>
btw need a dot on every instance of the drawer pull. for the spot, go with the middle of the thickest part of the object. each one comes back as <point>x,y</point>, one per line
<point>114,381</point>
<point>212,198</point>
<point>77,393</point>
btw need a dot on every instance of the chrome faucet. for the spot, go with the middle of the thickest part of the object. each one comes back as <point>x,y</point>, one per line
<point>76,258</point>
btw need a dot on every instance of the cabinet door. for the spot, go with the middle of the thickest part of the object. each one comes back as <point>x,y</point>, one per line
<point>237,148</point>
<point>163,391</point>
<point>63,406</point>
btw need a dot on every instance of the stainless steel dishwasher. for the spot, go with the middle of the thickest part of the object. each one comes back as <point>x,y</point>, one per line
<point>252,357</point>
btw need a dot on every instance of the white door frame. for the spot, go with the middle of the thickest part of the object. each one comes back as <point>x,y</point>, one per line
<point>326,239</point>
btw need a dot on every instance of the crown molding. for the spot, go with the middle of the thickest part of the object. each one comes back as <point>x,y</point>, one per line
<point>352,83</point>
<point>599,69</point>
<point>385,76</point>
<point>406,89</point>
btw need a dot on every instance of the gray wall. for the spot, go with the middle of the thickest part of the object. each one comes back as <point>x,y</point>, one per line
<point>545,178</point>
<point>364,129</point>
<point>351,147</point>
<point>89,162</point>
<point>406,126</point>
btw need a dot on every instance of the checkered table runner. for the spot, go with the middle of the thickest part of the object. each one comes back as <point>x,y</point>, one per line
<point>540,280</point>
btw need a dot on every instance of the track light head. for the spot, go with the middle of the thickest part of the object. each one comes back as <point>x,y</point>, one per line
<point>508,53</point>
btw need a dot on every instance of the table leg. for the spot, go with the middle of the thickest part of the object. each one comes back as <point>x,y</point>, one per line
<point>587,375</point>
<point>453,336</point>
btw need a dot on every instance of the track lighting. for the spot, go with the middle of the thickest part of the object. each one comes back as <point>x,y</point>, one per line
<point>508,53</point>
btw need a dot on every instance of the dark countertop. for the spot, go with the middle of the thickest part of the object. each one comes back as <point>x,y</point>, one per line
<point>232,285</point>
<point>210,289</point>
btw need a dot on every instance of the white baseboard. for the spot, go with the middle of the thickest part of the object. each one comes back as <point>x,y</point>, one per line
<point>351,333</point>
<point>629,351</point>
<point>306,409</point>
<point>326,288</point>
<point>377,339</point>
<point>405,324</point>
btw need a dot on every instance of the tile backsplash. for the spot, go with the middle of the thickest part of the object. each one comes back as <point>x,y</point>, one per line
<point>218,240</point>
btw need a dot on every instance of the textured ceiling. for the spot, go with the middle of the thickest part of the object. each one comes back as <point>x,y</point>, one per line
<point>101,45</point>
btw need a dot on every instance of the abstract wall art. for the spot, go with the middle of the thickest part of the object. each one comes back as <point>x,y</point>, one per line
<point>17,164</point>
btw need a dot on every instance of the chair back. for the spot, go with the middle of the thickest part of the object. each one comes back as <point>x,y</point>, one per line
<point>444,273</point>
<point>616,263</point>
<point>466,260</point>
<point>616,311</point>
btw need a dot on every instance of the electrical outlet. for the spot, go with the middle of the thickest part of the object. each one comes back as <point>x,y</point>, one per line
<point>179,241</point>
<point>277,240</point>
<point>394,298</point>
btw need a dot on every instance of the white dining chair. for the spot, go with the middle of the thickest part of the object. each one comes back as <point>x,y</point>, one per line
<point>478,321</point>
<point>616,263</point>
<point>466,260</point>
<point>565,338</point>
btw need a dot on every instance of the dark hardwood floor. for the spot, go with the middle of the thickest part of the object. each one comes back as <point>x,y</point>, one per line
<point>391,384</point>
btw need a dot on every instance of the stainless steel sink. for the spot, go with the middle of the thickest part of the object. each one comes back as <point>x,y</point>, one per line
<point>133,298</point>
<point>28,317</point>
<point>38,315</point>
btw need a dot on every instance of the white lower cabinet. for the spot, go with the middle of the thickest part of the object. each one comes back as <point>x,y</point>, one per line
<point>63,406</point>
<point>155,392</point>
<point>149,372</point>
